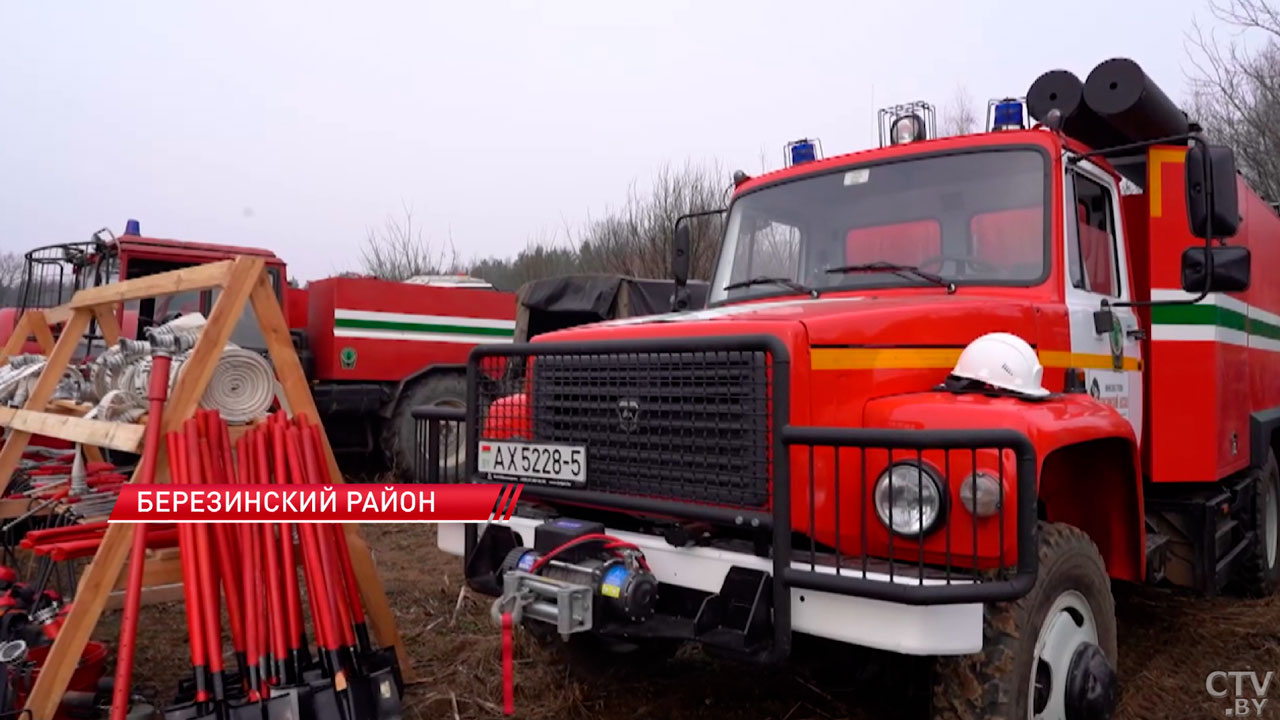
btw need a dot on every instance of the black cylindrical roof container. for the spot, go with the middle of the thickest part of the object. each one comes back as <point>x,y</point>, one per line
<point>1063,91</point>
<point>1120,92</point>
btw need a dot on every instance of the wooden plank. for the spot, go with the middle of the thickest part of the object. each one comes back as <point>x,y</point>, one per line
<point>197,277</point>
<point>125,437</point>
<point>18,338</point>
<point>39,328</point>
<point>104,569</point>
<point>108,324</point>
<point>57,315</point>
<point>275,331</point>
<point>16,443</point>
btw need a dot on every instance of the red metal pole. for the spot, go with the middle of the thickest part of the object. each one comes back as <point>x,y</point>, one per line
<point>208,576</point>
<point>344,554</point>
<point>326,628</point>
<point>248,669</point>
<point>288,560</point>
<point>190,575</point>
<point>221,536</point>
<point>278,632</point>
<point>157,393</point>
<point>329,563</point>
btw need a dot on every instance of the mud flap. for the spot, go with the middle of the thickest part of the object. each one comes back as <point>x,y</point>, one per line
<point>481,566</point>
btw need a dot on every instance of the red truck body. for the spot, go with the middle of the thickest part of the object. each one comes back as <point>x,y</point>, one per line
<point>366,343</point>
<point>373,330</point>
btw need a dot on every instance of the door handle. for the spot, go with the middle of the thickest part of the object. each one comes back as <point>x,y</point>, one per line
<point>1136,334</point>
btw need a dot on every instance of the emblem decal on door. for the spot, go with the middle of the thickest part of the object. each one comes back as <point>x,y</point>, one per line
<point>1117,344</point>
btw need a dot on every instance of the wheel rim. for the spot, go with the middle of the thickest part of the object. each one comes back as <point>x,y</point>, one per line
<point>1068,625</point>
<point>453,446</point>
<point>1271,517</point>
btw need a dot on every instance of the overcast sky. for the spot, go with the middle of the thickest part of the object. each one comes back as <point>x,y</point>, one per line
<point>296,126</point>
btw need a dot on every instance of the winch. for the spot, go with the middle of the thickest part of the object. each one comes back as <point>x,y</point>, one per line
<point>576,576</point>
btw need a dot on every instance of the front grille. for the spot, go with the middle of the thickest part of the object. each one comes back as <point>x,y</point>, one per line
<point>691,426</point>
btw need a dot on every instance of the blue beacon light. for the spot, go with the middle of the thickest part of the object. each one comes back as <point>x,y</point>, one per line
<point>1008,114</point>
<point>802,151</point>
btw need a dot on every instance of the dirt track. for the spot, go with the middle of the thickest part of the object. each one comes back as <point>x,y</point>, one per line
<point>1169,643</point>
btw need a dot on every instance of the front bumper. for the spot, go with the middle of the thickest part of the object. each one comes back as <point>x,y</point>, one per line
<point>954,629</point>
<point>923,606</point>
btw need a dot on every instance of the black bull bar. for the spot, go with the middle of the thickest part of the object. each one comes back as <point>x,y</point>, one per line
<point>671,371</point>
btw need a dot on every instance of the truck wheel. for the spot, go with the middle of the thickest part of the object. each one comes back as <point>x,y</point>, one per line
<point>1258,573</point>
<point>400,435</point>
<point>1049,654</point>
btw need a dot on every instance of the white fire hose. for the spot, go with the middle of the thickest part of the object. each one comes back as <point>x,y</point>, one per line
<point>241,388</point>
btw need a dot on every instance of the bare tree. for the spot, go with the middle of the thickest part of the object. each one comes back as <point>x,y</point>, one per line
<point>398,251</point>
<point>636,239</point>
<point>11,271</point>
<point>1236,86</point>
<point>958,117</point>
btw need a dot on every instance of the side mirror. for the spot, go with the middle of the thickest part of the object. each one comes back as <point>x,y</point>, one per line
<point>680,253</point>
<point>1217,200</point>
<point>1225,266</point>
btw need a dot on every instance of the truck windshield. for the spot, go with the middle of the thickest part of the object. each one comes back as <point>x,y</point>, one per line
<point>973,218</point>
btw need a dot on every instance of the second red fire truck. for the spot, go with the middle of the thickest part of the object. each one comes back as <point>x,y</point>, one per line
<point>945,392</point>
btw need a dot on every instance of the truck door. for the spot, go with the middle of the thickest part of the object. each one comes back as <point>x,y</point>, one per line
<point>1097,271</point>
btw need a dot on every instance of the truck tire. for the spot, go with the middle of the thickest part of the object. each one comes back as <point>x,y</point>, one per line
<point>1048,654</point>
<point>399,435</point>
<point>1258,572</point>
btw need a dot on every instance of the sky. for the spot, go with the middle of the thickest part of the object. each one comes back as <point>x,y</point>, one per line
<point>298,126</point>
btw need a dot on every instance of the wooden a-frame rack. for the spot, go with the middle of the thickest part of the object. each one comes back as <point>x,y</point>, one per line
<point>242,282</point>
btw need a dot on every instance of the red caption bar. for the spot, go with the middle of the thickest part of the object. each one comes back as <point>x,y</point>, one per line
<point>316,503</point>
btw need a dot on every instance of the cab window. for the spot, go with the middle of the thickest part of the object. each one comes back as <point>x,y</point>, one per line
<point>1091,239</point>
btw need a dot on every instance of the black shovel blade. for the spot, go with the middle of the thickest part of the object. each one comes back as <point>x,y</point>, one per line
<point>376,696</point>
<point>287,704</point>
<point>383,659</point>
<point>182,711</point>
<point>212,711</point>
<point>325,702</point>
<point>244,711</point>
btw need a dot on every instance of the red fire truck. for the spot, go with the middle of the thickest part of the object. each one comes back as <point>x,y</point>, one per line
<point>372,349</point>
<point>945,391</point>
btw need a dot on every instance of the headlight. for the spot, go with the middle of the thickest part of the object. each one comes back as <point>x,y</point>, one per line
<point>909,499</point>
<point>980,494</point>
<point>906,129</point>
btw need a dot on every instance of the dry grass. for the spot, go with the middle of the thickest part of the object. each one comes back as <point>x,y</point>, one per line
<point>1169,642</point>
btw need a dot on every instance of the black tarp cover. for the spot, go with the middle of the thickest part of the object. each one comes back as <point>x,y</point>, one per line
<point>569,300</point>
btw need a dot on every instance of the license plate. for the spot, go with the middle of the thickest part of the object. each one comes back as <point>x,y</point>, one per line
<point>548,464</point>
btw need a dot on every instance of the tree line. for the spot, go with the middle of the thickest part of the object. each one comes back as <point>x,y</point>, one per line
<point>633,239</point>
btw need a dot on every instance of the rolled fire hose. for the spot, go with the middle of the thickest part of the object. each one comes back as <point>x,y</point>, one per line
<point>241,388</point>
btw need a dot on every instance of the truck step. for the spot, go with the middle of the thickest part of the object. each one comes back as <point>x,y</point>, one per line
<point>1224,537</point>
<point>1223,568</point>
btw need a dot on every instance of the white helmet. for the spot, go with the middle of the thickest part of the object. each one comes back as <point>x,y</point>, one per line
<point>1004,361</point>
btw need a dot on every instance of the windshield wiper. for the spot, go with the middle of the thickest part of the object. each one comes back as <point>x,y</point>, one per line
<point>903,271</point>
<point>784,282</point>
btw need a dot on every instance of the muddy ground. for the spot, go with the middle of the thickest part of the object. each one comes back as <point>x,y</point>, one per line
<point>1169,643</point>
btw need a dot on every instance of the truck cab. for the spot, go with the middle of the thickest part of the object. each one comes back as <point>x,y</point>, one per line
<point>55,272</point>
<point>945,391</point>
